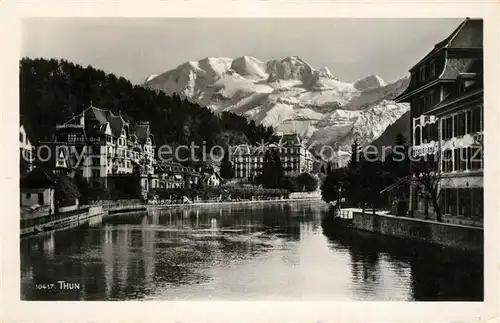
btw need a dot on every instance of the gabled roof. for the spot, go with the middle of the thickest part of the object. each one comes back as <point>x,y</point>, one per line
<point>290,140</point>
<point>30,134</point>
<point>143,132</point>
<point>103,117</point>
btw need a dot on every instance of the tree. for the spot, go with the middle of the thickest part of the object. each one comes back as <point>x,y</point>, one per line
<point>397,162</point>
<point>352,175</point>
<point>226,167</point>
<point>272,171</point>
<point>427,177</point>
<point>332,184</point>
<point>307,182</point>
<point>371,182</point>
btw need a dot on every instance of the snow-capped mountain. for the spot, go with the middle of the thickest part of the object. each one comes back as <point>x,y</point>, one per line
<point>289,95</point>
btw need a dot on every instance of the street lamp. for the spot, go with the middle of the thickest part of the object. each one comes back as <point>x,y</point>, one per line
<point>340,195</point>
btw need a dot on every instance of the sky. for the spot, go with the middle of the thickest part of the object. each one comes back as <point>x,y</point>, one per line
<point>138,47</point>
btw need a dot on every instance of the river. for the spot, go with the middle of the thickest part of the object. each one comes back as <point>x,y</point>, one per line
<point>279,251</point>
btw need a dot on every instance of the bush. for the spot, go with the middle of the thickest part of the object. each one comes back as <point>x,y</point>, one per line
<point>307,182</point>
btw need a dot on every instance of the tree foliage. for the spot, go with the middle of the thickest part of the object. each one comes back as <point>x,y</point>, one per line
<point>307,182</point>
<point>272,171</point>
<point>226,167</point>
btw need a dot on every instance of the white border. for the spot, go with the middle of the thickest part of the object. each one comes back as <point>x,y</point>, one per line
<point>13,310</point>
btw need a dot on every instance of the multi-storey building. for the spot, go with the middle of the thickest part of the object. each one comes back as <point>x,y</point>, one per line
<point>175,175</point>
<point>102,144</point>
<point>446,98</point>
<point>295,157</point>
<point>26,150</point>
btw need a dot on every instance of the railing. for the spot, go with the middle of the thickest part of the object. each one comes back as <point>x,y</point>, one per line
<point>343,214</point>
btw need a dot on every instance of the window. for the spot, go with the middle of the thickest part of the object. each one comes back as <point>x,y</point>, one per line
<point>421,103</point>
<point>96,161</point>
<point>417,136</point>
<point>477,202</point>
<point>464,202</point>
<point>433,128</point>
<point>455,125</point>
<point>460,131</point>
<point>449,128</point>
<point>468,122</point>
<point>463,159</point>
<point>468,83</point>
<point>28,195</point>
<point>430,99</point>
<point>476,122</point>
<point>456,159</point>
<point>452,201</point>
<point>21,137</point>
<point>425,134</point>
<point>96,173</point>
<point>476,158</point>
<point>433,68</point>
<point>422,73</point>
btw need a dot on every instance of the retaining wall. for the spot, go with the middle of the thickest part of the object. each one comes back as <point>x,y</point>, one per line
<point>446,234</point>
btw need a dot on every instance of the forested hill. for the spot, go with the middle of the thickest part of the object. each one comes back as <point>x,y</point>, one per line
<point>53,91</point>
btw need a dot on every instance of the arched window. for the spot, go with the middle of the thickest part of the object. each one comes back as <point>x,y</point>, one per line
<point>417,135</point>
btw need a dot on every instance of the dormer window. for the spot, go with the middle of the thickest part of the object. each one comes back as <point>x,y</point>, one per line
<point>422,73</point>
<point>468,83</point>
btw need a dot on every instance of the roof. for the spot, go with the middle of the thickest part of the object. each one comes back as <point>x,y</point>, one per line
<point>395,184</point>
<point>458,65</point>
<point>290,140</point>
<point>143,132</point>
<point>103,117</point>
<point>468,34</point>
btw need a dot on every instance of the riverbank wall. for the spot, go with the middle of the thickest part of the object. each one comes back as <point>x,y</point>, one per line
<point>427,231</point>
<point>37,223</point>
<point>122,208</point>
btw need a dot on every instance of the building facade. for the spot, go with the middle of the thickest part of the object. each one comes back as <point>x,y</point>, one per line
<point>248,161</point>
<point>446,98</point>
<point>175,175</point>
<point>26,150</point>
<point>101,145</point>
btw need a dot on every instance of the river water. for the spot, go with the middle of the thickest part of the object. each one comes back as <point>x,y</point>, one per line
<point>281,251</point>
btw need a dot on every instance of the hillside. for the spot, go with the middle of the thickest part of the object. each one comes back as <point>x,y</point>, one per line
<point>53,91</point>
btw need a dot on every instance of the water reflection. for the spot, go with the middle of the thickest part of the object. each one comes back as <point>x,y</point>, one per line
<point>281,251</point>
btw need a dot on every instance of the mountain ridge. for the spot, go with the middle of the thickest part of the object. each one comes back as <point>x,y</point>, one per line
<point>290,95</point>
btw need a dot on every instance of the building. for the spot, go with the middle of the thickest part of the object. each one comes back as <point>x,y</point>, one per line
<point>101,145</point>
<point>248,161</point>
<point>37,192</point>
<point>175,175</point>
<point>26,150</point>
<point>446,98</point>
<point>212,179</point>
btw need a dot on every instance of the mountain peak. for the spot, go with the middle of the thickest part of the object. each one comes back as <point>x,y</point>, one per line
<point>150,77</point>
<point>249,66</point>
<point>371,81</point>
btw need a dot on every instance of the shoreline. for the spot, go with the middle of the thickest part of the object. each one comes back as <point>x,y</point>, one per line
<point>145,207</point>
